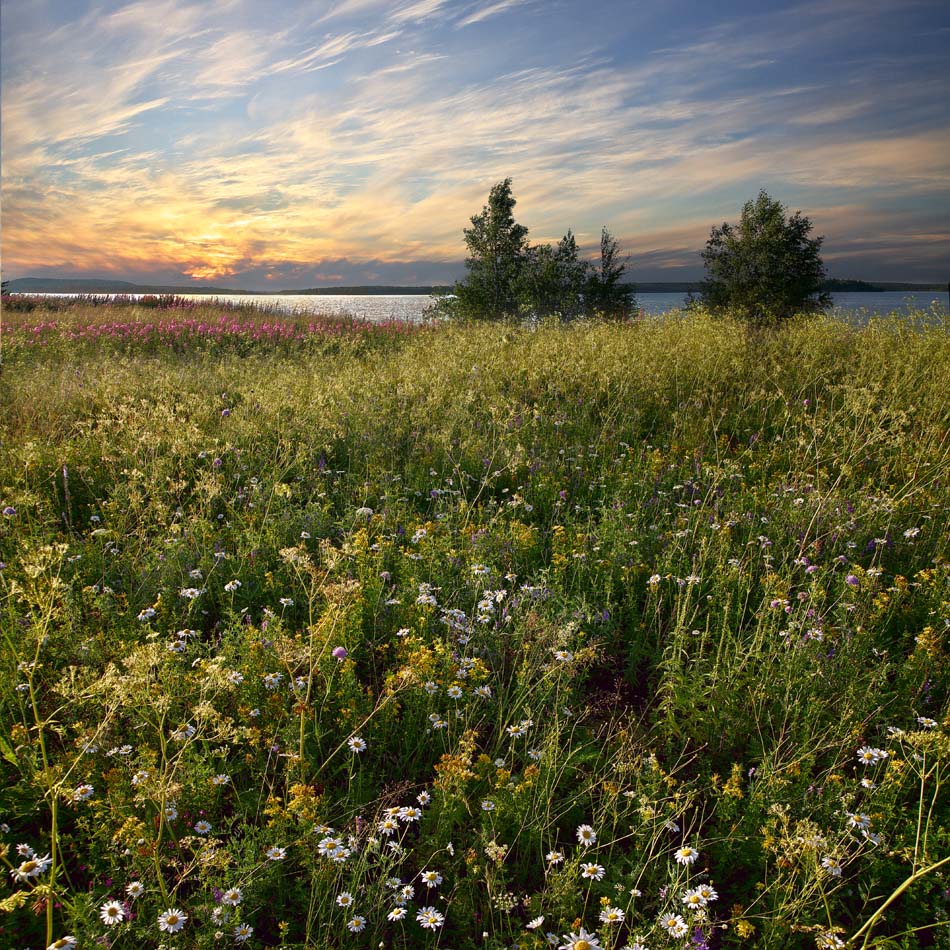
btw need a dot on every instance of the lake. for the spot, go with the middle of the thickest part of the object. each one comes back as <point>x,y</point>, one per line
<point>379,308</point>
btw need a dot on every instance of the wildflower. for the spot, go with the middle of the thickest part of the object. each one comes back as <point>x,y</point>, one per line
<point>232,896</point>
<point>272,680</point>
<point>33,866</point>
<point>554,857</point>
<point>612,915</point>
<point>831,866</point>
<point>927,722</point>
<point>344,899</point>
<point>184,732</point>
<point>534,923</point>
<point>275,854</point>
<point>397,913</point>
<point>431,878</point>
<point>140,777</point>
<point>654,580</point>
<point>828,941</point>
<point>488,805</point>
<point>191,593</point>
<point>356,744</point>
<point>858,821</point>
<point>484,691</point>
<point>176,646</point>
<point>869,756</point>
<point>235,677</point>
<point>580,941</point>
<point>171,812</point>
<point>563,656</point>
<point>708,893</point>
<point>242,933</point>
<point>423,798</point>
<point>82,793</point>
<point>339,653</point>
<point>202,827</point>
<point>409,813</point>
<point>232,586</point>
<point>593,871</point>
<point>146,614</point>
<point>135,889</point>
<point>328,845</point>
<point>586,835</point>
<point>430,687</point>
<point>686,856</point>
<point>172,920</point>
<point>356,924</point>
<point>111,913</point>
<point>64,943</point>
<point>694,899</point>
<point>430,918</point>
<point>674,925</point>
<point>364,512</point>
<point>454,691</point>
<point>220,779</point>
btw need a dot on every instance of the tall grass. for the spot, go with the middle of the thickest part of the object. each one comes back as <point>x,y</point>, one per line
<point>353,637</point>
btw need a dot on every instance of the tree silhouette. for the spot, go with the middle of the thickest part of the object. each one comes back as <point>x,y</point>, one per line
<point>765,268</point>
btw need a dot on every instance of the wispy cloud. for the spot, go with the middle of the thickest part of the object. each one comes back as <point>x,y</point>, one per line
<point>261,142</point>
<point>483,11</point>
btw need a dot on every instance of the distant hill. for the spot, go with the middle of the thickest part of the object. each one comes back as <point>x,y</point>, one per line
<point>95,285</point>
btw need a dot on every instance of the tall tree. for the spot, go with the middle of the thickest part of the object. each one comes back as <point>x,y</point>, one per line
<point>765,268</point>
<point>497,247</point>
<point>606,295</point>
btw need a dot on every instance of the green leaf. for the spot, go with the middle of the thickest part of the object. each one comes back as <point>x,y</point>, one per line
<point>6,750</point>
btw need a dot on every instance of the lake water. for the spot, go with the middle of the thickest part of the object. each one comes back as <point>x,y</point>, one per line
<point>379,308</point>
<point>411,306</point>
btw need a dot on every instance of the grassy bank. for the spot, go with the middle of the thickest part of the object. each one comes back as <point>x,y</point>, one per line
<point>348,636</point>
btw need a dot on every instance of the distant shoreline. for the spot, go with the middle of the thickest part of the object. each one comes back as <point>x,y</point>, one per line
<point>49,285</point>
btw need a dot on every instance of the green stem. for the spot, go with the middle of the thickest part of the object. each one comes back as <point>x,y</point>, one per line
<point>876,916</point>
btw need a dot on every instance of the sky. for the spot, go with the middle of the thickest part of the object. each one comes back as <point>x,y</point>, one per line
<point>281,145</point>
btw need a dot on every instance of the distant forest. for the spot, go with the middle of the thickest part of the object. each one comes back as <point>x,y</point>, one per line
<point>39,285</point>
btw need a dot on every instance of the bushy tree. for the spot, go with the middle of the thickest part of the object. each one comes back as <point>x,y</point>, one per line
<point>765,268</point>
<point>554,280</point>
<point>605,295</point>
<point>508,277</point>
<point>497,247</point>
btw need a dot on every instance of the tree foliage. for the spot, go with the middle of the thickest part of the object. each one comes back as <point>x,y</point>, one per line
<point>606,295</point>
<point>497,248</point>
<point>507,277</point>
<point>765,268</point>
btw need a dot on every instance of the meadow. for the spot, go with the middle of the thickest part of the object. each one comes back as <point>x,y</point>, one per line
<point>605,635</point>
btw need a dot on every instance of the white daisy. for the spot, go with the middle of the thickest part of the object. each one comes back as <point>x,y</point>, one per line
<point>111,913</point>
<point>172,920</point>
